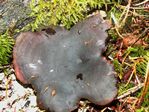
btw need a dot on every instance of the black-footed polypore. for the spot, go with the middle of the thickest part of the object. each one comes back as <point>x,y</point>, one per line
<point>64,66</point>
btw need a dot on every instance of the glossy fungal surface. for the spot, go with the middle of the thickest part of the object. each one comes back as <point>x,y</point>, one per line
<point>64,66</point>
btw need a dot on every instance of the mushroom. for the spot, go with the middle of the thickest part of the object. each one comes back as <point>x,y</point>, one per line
<point>64,66</point>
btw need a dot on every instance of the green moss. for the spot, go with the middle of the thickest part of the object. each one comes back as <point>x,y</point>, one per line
<point>142,109</point>
<point>6,45</point>
<point>137,51</point>
<point>123,88</point>
<point>143,54</point>
<point>118,68</point>
<point>65,12</point>
<point>112,33</point>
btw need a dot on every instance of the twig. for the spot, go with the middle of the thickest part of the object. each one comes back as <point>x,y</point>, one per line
<point>141,36</point>
<point>132,73</point>
<point>130,91</point>
<point>145,1</point>
<point>136,8</point>
<point>127,11</point>
<point>118,32</point>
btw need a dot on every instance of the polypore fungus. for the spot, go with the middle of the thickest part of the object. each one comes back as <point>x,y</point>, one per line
<point>65,66</point>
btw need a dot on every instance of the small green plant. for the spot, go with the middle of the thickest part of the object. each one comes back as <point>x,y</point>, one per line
<point>141,54</point>
<point>142,109</point>
<point>142,66</point>
<point>118,68</point>
<point>6,45</point>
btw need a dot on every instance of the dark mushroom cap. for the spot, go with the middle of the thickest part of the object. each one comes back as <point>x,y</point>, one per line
<point>65,66</point>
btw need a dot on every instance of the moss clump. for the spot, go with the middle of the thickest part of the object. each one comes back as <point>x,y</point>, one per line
<point>64,12</point>
<point>6,45</point>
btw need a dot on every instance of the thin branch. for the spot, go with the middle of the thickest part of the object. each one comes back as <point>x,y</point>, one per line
<point>145,1</point>
<point>127,11</point>
<point>130,91</point>
<point>135,8</point>
<point>141,36</point>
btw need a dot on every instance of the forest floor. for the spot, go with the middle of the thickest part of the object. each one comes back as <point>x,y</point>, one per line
<point>127,49</point>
